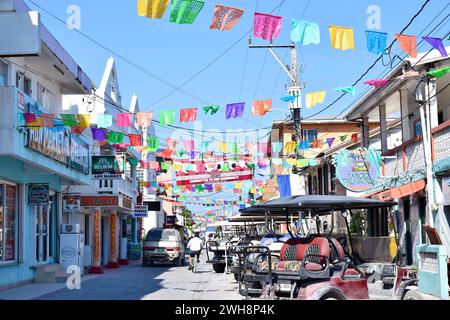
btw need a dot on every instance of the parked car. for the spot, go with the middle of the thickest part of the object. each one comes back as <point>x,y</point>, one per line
<point>163,245</point>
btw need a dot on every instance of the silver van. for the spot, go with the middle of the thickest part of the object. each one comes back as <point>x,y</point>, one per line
<point>163,245</point>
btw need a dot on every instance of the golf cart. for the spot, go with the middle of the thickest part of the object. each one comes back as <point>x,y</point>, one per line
<point>245,252</point>
<point>231,233</point>
<point>318,266</point>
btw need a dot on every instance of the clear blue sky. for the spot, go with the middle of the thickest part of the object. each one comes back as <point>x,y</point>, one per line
<point>176,52</point>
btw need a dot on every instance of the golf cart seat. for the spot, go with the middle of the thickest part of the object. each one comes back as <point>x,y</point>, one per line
<point>339,261</point>
<point>305,257</point>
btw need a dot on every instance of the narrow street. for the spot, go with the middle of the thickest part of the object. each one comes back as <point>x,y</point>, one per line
<point>160,282</point>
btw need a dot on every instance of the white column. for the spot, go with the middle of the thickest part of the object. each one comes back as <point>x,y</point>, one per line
<point>123,260</point>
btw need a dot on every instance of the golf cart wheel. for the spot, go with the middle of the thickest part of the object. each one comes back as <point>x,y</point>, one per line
<point>219,267</point>
<point>146,263</point>
<point>413,295</point>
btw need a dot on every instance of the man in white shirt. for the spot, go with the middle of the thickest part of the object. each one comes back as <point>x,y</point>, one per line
<point>195,246</point>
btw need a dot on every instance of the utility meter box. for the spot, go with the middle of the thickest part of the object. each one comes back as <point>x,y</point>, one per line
<point>432,268</point>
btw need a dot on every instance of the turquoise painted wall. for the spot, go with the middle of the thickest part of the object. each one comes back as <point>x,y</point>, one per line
<point>13,170</point>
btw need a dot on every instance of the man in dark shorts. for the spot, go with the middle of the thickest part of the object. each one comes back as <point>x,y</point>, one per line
<point>195,246</point>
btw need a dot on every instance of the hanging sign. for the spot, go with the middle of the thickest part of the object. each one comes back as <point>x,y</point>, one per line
<point>38,195</point>
<point>108,167</point>
<point>71,202</point>
<point>99,201</point>
<point>358,170</point>
<point>213,177</point>
<point>140,212</point>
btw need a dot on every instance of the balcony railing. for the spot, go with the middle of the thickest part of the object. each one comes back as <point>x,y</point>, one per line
<point>410,156</point>
<point>127,187</point>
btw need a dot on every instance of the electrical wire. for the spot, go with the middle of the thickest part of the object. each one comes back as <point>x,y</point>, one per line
<point>374,63</point>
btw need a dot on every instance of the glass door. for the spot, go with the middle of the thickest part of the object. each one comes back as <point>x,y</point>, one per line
<point>42,233</point>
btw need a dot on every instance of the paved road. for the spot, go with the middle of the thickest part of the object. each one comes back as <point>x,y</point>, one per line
<point>160,282</point>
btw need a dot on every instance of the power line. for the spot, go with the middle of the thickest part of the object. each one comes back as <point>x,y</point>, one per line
<point>374,63</point>
<point>383,73</point>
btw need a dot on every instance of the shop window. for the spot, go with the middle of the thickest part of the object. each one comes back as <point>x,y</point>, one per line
<point>8,222</point>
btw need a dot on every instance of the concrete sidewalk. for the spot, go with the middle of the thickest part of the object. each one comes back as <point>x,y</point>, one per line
<point>36,290</point>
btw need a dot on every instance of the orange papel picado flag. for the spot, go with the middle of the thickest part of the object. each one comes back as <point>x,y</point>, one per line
<point>261,107</point>
<point>225,17</point>
<point>408,44</point>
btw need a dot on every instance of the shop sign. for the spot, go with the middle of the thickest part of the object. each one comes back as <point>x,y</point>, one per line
<point>213,177</point>
<point>99,201</point>
<point>140,212</point>
<point>71,202</point>
<point>127,203</point>
<point>96,239</point>
<point>446,190</point>
<point>358,170</point>
<point>58,143</point>
<point>38,195</point>
<point>108,167</point>
<point>79,154</point>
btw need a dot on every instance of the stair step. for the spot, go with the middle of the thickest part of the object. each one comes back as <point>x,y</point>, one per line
<point>52,273</point>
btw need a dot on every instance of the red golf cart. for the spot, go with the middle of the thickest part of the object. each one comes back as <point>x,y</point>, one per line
<point>317,266</point>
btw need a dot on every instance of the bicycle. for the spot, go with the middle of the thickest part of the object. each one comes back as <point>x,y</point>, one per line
<point>195,265</point>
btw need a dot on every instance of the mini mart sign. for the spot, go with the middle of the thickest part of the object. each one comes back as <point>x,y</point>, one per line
<point>108,167</point>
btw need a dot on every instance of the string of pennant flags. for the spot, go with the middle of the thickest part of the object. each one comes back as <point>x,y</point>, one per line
<point>81,122</point>
<point>268,27</point>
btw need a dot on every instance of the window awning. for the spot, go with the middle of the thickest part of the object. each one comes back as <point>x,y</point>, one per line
<point>399,192</point>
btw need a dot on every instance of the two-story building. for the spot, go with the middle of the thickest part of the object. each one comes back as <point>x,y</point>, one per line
<point>320,135</point>
<point>35,163</point>
<point>415,172</point>
<point>109,200</point>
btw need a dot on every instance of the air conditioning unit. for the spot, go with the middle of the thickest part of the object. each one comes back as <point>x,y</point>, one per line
<point>70,228</point>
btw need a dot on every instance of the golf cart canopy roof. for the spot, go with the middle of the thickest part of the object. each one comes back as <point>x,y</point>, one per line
<point>316,204</point>
<point>259,219</point>
<point>227,224</point>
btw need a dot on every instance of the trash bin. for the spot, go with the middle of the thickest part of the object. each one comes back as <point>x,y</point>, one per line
<point>134,251</point>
